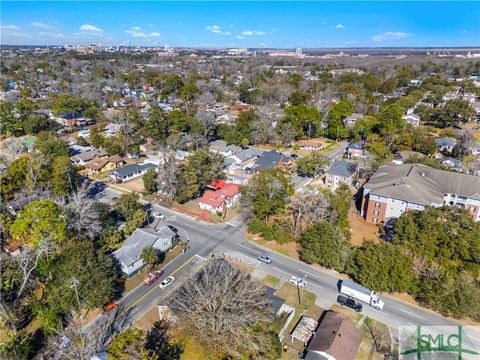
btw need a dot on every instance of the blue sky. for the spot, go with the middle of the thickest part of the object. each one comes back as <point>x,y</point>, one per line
<point>242,24</point>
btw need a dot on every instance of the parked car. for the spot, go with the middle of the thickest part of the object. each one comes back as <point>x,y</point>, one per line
<point>264,258</point>
<point>110,307</point>
<point>158,215</point>
<point>152,277</point>
<point>348,302</point>
<point>295,280</point>
<point>166,282</point>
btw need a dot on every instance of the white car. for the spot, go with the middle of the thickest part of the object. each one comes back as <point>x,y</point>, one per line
<point>295,280</point>
<point>157,215</point>
<point>166,282</point>
<point>266,259</point>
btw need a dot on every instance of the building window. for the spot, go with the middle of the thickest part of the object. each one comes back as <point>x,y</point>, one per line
<point>376,212</point>
<point>375,220</point>
<point>377,205</point>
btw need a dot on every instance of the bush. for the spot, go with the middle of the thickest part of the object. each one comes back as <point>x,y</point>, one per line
<point>269,232</point>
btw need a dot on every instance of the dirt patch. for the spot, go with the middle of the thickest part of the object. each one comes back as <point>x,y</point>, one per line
<point>240,264</point>
<point>146,321</point>
<point>362,230</point>
<point>271,281</point>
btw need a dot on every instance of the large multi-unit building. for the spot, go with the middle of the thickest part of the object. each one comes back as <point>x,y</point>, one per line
<point>395,189</point>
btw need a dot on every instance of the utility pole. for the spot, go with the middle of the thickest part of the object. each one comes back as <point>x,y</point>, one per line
<point>74,285</point>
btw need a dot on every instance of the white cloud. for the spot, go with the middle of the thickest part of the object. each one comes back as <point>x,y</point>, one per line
<point>339,26</point>
<point>41,25</point>
<point>9,27</point>
<point>136,28</point>
<point>87,27</point>
<point>240,37</point>
<point>154,34</point>
<point>353,42</point>
<point>390,35</point>
<point>262,44</point>
<point>135,32</point>
<point>217,30</point>
<point>253,32</point>
<point>150,25</point>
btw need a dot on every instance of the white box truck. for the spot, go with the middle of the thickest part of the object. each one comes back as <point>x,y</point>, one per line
<point>358,292</point>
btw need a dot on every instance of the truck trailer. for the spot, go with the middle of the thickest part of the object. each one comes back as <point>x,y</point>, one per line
<point>358,292</point>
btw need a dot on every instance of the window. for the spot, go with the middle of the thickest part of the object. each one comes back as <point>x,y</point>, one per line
<point>376,212</point>
<point>375,220</point>
<point>377,205</point>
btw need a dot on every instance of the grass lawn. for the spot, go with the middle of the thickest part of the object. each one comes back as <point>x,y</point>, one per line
<point>271,281</point>
<point>289,248</point>
<point>138,278</point>
<point>193,208</point>
<point>308,307</point>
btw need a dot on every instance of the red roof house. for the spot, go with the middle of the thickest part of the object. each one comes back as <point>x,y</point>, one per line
<point>224,197</point>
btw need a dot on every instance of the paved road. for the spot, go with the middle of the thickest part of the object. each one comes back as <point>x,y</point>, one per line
<point>205,239</point>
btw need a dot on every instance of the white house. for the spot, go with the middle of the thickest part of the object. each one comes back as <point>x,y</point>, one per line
<point>129,255</point>
<point>412,119</point>
<point>131,171</point>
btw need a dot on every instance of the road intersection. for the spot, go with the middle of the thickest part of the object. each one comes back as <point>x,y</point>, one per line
<point>228,238</point>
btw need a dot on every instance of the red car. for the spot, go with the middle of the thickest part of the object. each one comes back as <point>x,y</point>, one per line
<point>110,307</point>
<point>152,277</point>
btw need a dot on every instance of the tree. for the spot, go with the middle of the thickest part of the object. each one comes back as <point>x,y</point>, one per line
<point>130,345</point>
<point>340,111</point>
<point>265,194</point>
<point>452,113</point>
<point>63,104</point>
<point>382,267</point>
<point>128,204</point>
<point>324,244</point>
<point>93,272</point>
<point>312,163</point>
<point>217,289</point>
<point>167,177</point>
<point>149,182</point>
<point>51,146</point>
<point>64,176</point>
<point>304,120</point>
<point>340,204</point>
<point>16,346</point>
<point>136,220</point>
<point>307,208</point>
<point>10,125</point>
<point>149,256</point>
<point>465,141</point>
<point>38,221</point>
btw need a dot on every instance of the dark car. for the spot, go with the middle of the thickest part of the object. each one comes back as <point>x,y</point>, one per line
<point>348,302</point>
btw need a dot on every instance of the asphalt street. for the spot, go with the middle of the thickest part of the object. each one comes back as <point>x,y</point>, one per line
<point>205,239</point>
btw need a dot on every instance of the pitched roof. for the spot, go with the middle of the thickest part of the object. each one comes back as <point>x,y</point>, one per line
<point>270,159</point>
<point>215,198</point>
<point>342,168</point>
<point>421,184</point>
<point>140,239</point>
<point>445,141</point>
<point>99,163</point>
<point>335,336</point>
<point>90,155</point>
<point>248,154</point>
<point>356,145</point>
<point>132,169</point>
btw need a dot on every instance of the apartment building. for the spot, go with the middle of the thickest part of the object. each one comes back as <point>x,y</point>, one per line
<point>395,189</point>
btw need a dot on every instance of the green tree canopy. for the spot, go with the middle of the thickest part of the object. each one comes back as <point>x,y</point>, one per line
<point>340,111</point>
<point>312,164</point>
<point>38,221</point>
<point>304,119</point>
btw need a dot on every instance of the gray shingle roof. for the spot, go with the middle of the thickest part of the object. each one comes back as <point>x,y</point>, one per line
<point>132,169</point>
<point>342,168</point>
<point>269,159</point>
<point>248,154</point>
<point>140,239</point>
<point>421,184</point>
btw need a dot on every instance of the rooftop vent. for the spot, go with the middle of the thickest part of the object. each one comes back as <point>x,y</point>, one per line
<point>423,174</point>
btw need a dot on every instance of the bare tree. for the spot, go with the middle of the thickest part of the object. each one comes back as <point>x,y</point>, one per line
<point>82,215</point>
<point>167,176</point>
<point>306,208</point>
<point>27,262</point>
<point>207,119</point>
<point>36,164</point>
<point>221,303</point>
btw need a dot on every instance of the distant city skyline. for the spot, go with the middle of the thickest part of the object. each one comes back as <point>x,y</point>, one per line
<point>242,24</point>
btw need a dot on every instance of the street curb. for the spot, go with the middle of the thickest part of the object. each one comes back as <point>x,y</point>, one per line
<point>339,277</point>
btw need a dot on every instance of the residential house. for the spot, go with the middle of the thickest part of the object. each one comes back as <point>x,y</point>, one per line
<point>240,165</point>
<point>452,163</point>
<point>71,119</point>
<point>99,165</point>
<point>349,121</point>
<point>341,172</point>
<point>415,82</point>
<point>278,304</point>
<point>476,168</point>
<point>476,107</point>
<point>310,145</point>
<point>394,189</point>
<point>84,157</point>
<point>129,255</point>
<point>400,157</point>
<point>412,119</point>
<point>182,155</point>
<point>449,96</point>
<point>272,159</point>
<point>471,98</point>
<point>355,150</point>
<point>223,197</point>
<point>131,171</point>
<point>112,129</point>
<point>445,144</point>
<point>220,147</point>
<point>84,133</point>
<point>335,339</point>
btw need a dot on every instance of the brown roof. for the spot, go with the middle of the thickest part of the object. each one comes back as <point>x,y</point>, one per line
<point>335,336</point>
<point>310,143</point>
<point>99,163</point>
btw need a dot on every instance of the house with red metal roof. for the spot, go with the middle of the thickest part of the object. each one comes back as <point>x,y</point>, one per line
<point>221,197</point>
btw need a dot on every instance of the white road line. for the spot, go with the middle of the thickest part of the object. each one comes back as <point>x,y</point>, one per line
<point>408,312</point>
<point>409,323</point>
<point>311,274</point>
<point>310,284</point>
<point>201,257</point>
<point>281,270</point>
<point>245,247</point>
